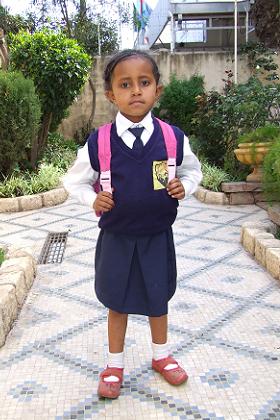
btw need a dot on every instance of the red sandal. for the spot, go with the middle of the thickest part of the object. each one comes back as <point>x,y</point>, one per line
<point>110,389</point>
<point>175,376</point>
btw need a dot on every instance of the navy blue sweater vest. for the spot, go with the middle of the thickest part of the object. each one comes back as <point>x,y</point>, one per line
<point>139,208</point>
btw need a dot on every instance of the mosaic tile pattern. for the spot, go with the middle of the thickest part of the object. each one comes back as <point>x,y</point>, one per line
<point>232,279</point>
<point>27,391</point>
<point>223,327</point>
<point>219,378</point>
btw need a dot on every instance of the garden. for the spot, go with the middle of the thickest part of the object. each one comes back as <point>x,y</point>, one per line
<point>48,64</point>
<point>217,122</point>
<point>47,70</point>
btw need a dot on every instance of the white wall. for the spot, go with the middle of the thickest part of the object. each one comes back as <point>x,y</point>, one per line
<point>211,65</point>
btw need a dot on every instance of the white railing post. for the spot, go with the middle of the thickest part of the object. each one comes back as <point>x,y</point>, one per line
<point>172,33</point>
<point>235,41</point>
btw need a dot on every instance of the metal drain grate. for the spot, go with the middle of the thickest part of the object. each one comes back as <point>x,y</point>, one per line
<point>53,248</point>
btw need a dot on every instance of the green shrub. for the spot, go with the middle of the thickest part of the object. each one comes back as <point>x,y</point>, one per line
<point>271,172</point>
<point>222,118</point>
<point>19,119</point>
<point>47,178</point>
<point>59,151</point>
<point>81,134</point>
<point>208,127</point>
<point>260,59</point>
<point>213,177</point>
<point>267,133</point>
<point>177,103</point>
<point>14,186</point>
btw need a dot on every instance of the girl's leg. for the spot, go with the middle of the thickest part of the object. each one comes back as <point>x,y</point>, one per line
<point>162,362</point>
<point>158,325</point>
<point>111,378</point>
<point>117,323</point>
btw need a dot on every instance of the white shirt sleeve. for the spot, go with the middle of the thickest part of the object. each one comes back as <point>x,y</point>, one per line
<point>80,178</point>
<point>189,171</point>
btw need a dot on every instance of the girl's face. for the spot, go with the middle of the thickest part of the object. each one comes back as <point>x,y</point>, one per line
<point>133,88</point>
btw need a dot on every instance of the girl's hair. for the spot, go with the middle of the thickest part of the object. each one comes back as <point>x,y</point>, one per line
<point>124,55</point>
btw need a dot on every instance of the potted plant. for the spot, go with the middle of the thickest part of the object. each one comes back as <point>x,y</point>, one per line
<point>253,146</point>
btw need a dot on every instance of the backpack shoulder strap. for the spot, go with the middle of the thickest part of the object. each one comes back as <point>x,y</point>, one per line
<point>104,156</point>
<point>104,152</point>
<point>171,147</point>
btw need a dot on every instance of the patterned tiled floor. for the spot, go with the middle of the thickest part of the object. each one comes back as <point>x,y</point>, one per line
<point>224,327</point>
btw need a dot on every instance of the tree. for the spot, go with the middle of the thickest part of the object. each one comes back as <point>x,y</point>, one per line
<point>58,67</point>
<point>39,19</point>
<point>266,16</point>
<point>86,25</point>
<point>87,31</point>
<point>10,23</point>
<point>44,9</point>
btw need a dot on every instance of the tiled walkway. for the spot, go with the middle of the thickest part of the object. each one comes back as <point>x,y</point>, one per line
<point>224,327</point>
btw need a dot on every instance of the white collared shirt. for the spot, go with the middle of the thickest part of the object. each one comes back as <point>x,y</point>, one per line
<point>81,176</point>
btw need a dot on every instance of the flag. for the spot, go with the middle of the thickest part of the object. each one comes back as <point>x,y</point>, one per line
<point>141,14</point>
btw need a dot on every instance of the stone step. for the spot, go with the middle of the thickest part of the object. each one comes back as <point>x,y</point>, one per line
<point>241,187</point>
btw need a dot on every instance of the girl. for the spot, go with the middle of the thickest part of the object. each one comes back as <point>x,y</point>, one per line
<point>135,266</point>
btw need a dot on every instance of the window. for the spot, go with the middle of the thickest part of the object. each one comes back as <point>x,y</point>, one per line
<point>191,31</point>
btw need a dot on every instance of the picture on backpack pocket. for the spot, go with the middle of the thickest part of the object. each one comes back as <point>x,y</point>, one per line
<point>160,174</point>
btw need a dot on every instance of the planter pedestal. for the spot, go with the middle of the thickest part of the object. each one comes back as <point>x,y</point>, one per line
<point>255,175</point>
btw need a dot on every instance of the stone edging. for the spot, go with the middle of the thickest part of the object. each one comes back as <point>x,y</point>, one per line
<point>258,239</point>
<point>35,201</point>
<point>233,193</point>
<point>211,197</point>
<point>17,274</point>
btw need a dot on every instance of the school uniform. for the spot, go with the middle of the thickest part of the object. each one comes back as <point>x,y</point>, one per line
<point>135,264</point>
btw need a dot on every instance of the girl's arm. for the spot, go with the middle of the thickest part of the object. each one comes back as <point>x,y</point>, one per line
<point>80,178</point>
<point>189,171</point>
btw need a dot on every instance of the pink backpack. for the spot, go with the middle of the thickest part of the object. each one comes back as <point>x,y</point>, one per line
<point>104,155</point>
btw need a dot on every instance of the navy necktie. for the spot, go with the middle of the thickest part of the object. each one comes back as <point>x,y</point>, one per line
<point>138,145</point>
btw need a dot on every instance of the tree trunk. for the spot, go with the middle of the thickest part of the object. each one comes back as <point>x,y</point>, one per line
<point>64,11</point>
<point>4,57</point>
<point>83,9</point>
<point>40,141</point>
<point>93,90</point>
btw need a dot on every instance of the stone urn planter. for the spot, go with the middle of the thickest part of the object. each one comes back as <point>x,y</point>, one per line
<point>252,154</point>
<point>253,146</point>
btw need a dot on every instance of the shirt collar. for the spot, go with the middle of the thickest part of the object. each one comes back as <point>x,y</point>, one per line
<point>123,124</point>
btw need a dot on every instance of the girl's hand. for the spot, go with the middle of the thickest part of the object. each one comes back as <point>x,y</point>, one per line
<point>175,189</point>
<point>103,202</point>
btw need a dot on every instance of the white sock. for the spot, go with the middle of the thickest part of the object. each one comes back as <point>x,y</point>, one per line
<point>114,360</point>
<point>161,351</point>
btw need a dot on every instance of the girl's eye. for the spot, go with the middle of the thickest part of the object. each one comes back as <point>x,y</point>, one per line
<point>124,85</point>
<point>145,82</point>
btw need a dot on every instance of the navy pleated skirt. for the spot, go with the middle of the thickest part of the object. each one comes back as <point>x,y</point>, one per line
<point>135,275</point>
